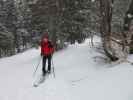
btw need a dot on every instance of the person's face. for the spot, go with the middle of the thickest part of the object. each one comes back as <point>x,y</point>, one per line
<point>45,40</point>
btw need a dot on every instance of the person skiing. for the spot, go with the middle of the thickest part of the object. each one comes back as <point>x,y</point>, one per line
<point>47,50</point>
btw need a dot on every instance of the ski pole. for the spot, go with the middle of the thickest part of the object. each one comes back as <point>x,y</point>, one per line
<point>53,67</point>
<point>37,66</point>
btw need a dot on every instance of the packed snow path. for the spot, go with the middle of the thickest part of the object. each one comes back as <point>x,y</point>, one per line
<point>78,77</point>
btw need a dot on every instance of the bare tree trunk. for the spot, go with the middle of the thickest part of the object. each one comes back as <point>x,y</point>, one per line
<point>128,31</point>
<point>52,30</point>
<point>55,14</point>
<point>106,7</point>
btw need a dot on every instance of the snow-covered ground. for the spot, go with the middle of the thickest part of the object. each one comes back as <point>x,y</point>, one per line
<point>78,77</point>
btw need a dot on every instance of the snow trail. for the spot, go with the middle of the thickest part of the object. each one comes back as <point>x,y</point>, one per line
<point>78,77</point>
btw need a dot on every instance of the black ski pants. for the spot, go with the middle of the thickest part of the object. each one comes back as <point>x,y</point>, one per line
<point>45,59</point>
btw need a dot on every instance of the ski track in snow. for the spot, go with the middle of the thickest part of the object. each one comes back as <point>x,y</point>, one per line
<point>78,77</point>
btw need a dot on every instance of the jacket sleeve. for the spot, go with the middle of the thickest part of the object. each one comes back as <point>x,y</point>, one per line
<point>51,48</point>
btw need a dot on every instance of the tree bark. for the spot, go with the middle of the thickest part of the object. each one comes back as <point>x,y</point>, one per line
<point>127,27</point>
<point>106,7</point>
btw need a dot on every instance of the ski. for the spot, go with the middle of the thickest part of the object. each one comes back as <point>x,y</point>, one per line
<point>41,80</point>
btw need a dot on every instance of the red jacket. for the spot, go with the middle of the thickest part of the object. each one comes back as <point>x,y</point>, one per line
<point>46,48</point>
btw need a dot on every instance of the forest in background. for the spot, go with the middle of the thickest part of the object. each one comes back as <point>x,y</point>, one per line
<point>23,22</point>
